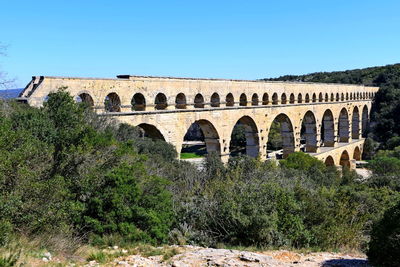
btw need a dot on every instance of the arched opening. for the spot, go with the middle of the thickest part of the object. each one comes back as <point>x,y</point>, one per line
<point>355,124</point>
<point>254,100</point>
<point>326,97</point>
<point>280,137</point>
<point>351,96</point>
<point>343,126</point>
<point>357,154</point>
<point>308,133</point>
<point>345,159</point>
<point>244,138</point>
<point>365,121</point>
<point>314,98</point>
<point>307,100</point>
<point>358,96</point>
<point>150,131</point>
<point>275,99</point>
<point>292,99</point>
<point>229,100</point>
<point>215,102</point>
<point>86,99</point>
<point>337,97</point>
<point>180,101</point>
<point>283,98</point>
<point>138,102</point>
<point>332,97</point>
<point>199,101</point>
<point>347,96</point>
<point>320,97</point>
<point>160,101</point>
<point>243,100</point>
<point>327,129</point>
<point>342,97</point>
<point>200,139</point>
<point>329,161</point>
<point>299,99</point>
<point>112,103</point>
<point>265,99</point>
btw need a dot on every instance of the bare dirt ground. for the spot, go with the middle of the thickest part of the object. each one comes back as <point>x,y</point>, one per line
<point>198,256</point>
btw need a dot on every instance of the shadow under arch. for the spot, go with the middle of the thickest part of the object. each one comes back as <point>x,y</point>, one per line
<point>280,137</point>
<point>244,138</point>
<point>329,161</point>
<point>345,159</point>
<point>327,129</point>
<point>343,126</point>
<point>357,153</point>
<point>365,121</point>
<point>85,98</point>
<point>112,103</point>
<point>308,132</point>
<point>151,131</point>
<point>355,124</point>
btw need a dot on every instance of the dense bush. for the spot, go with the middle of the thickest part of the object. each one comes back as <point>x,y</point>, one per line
<point>384,248</point>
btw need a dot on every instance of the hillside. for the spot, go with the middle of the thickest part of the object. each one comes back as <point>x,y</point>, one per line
<point>386,106</point>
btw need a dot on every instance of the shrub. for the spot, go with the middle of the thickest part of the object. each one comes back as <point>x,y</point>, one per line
<point>384,247</point>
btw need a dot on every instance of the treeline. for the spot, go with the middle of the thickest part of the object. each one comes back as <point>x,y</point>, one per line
<point>385,122</point>
<point>68,174</point>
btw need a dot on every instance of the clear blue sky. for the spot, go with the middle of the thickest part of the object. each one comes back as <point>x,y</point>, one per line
<point>221,39</point>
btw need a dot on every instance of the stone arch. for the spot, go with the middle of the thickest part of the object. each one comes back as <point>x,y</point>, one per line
<point>347,96</point>
<point>332,97</point>
<point>326,97</point>
<point>328,129</point>
<point>299,99</point>
<point>283,98</point>
<point>151,131</point>
<point>358,96</point>
<point>351,96</point>
<point>357,153</point>
<point>345,159</point>
<point>329,161</point>
<point>337,97</point>
<point>292,99</point>
<point>320,97</point>
<point>314,98</point>
<point>199,101</point>
<point>160,101</point>
<point>342,97</point>
<point>308,132</point>
<point>254,100</point>
<point>265,99</point>
<point>202,131</point>
<point>355,124</point>
<point>343,126</point>
<point>307,98</point>
<point>229,100</point>
<point>275,99</point>
<point>85,98</point>
<point>180,101</point>
<point>112,103</point>
<point>138,102</point>
<point>285,128</point>
<point>365,121</point>
<point>215,101</point>
<point>251,139</point>
<point>243,100</point>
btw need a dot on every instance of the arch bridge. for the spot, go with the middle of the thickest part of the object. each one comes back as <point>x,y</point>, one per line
<point>328,121</point>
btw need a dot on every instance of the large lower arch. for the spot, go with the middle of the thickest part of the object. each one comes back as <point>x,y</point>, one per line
<point>85,98</point>
<point>365,121</point>
<point>112,103</point>
<point>201,138</point>
<point>355,124</point>
<point>343,125</point>
<point>357,153</point>
<point>244,138</point>
<point>345,159</point>
<point>309,132</point>
<point>329,161</point>
<point>281,136</point>
<point>328,129</point>
<point>151,131</point>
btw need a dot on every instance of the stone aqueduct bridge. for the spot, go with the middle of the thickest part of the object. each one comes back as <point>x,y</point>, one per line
<point>333,116</point>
